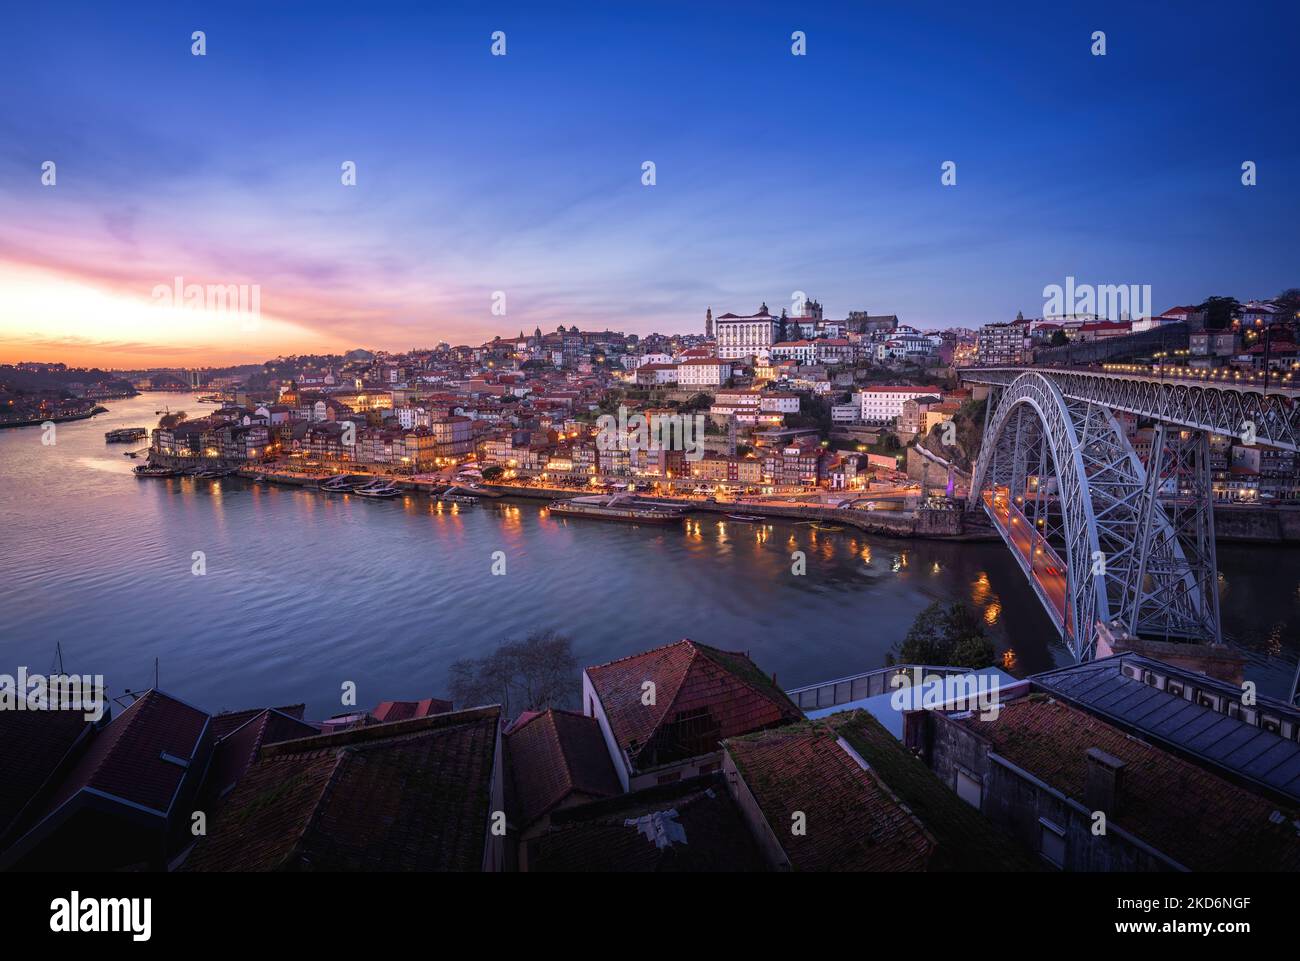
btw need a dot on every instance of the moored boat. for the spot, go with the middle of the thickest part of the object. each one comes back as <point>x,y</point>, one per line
<point>380,489</point>
<point>747,518</point>
<point>618,507</point>
<point>149,470</point>
<point>124,435</point>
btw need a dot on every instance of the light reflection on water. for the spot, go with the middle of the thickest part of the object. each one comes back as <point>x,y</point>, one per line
<point>305,591</point>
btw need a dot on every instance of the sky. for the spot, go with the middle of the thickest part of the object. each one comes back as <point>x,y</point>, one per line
<point>481,175</point>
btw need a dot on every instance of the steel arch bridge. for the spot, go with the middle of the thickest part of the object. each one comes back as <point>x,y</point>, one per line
<point>1104,538</point>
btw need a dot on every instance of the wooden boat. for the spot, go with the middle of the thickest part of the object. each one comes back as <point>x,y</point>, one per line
<point>747,518</point>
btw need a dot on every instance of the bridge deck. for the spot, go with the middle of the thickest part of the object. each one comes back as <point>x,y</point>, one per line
<point>1036,557</point>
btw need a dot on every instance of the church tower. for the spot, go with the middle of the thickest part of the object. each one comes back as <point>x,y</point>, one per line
<point>708,322</point>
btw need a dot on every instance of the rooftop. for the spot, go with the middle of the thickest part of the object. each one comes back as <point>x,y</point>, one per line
<point>556,757</point>
<point>702,695</point>
<point>691,825</point>
<point>407,795</point>
<point>1192,815</point>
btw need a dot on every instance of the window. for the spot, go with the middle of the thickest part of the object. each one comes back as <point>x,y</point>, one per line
<point>970,789</point>
<point>1051,843</point>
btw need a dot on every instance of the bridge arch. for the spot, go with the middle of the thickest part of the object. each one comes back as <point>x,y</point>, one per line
<point>1074,502</point>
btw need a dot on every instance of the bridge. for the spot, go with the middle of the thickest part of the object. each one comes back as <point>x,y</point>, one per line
<point>1104,537</point>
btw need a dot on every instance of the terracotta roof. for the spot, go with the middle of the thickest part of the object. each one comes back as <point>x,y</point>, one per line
<point>702,695</point>
<point>1201,820</point>
<point>236,747</point>
<point>851,822</point>
<point>697,826</point>
<point>405,710</point>
<point>125,759</point>
<point>554,757</point>
<point>408,795</point>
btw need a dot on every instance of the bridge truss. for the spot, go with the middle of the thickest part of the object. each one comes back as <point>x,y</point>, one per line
<point>1138,543</point>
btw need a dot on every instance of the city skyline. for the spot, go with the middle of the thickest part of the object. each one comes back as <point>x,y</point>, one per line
<point>478,174</point>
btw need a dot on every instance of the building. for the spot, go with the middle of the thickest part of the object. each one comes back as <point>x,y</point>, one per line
<point>556,760</point>
<point>703,372</point>
<point>1003,344</point>
<point>663,712</point>
<point>745,336</point>
<point>882,403</point>
<point>844,795</point>
<point>1127,764</point>
<point>413,795</point>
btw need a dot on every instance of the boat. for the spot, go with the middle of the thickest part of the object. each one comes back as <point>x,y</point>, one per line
<point>618,507</point>
<point>124,435</point>
<point>747,518</point>
<point>459,498</point>
<point>827,528</point>
<point>381,489</point>
<point>340,482</point>
<point>149,470</point>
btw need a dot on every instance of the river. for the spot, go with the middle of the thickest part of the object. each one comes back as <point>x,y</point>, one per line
<point>305,591</point>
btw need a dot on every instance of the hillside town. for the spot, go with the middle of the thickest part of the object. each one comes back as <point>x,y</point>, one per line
<point>788,403</point>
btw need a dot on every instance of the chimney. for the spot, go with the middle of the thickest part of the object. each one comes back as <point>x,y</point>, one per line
<point>1104,784</point>
<point>916,733</point>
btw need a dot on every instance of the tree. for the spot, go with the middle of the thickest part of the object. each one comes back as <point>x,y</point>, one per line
<point>1218,312</point>
<point>532,674</point>
<point>1059,339</point>
<point>492,472</point>
<point>948,636</point>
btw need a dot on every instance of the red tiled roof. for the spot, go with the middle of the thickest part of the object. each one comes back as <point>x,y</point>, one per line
<point>237,747</point>
<point>125,759</point>
<point>702,695</point>
<point>554,756</point>
<point>408,795</point>
<point>405,710</point>
<point>1201,820</point>
<point>851,822</point>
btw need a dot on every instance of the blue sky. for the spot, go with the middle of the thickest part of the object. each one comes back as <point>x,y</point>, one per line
<point>775,173</point>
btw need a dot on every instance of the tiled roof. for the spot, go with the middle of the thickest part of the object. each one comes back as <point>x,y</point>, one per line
<point>405,710</point>
<point>408,795</point>
<point>553,757</point>
<point>237,747</point>
<point>1196,817</point>
<point>126,759</point>
<point>32,746</point>
<point>967,841</point>
<point>1246,750</point>
<point>851,822</point>
<point>700,828</point>
<point>702,695</point>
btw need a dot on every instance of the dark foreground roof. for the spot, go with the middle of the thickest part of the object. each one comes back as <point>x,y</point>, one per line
<point>691,825</point>
<point>1202,821</point>
<point>554,757</point>
<point>966,840</point>
<point>702,695</point>
<point>410,795</point>
<point>801,775</point>
<point>1245,751</point>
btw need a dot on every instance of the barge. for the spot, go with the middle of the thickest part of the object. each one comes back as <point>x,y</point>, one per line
<point>618,507</point>
<point>124,435</point>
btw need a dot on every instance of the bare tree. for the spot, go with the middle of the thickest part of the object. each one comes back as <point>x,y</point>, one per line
<point>532,674</point>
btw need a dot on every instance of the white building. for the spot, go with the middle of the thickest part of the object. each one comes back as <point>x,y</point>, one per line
<point>703,372</point>
<point>744,336</point>
<point>883,403</point>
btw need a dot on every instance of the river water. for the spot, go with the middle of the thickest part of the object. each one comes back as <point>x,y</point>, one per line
<point>305,591</point>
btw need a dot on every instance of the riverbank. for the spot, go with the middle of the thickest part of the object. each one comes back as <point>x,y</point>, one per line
<point>55,419</point>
